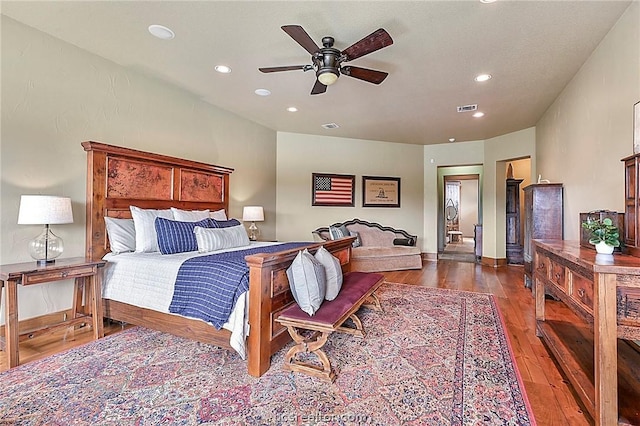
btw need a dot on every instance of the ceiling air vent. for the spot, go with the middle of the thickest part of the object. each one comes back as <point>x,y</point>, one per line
<point>330,126</point>
<point>466,108</point>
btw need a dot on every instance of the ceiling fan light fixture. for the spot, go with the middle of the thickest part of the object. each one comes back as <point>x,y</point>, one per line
<point>327,77</point>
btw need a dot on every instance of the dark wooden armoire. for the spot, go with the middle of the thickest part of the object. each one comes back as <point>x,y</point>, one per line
<point>543,219</point>
<point>513,233</point>
<point>631,205</point>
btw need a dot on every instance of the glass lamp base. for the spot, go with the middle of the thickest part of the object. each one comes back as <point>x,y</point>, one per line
<point>46,247</point>
<point>254,232</point>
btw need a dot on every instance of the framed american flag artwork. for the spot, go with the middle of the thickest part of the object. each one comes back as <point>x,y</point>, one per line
<point>332,190</point>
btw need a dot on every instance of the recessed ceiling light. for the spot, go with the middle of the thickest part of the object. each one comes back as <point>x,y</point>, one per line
<point>478,114</point>
<point>262,92</point>
<point>487,1</point>
<point>161,32</point>
<point>223,69</point>
<point>292,109</point>
<point>452,139</point>
<point>483,77</point>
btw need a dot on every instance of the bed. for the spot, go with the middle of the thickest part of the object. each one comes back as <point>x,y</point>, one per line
<point>118,178</point>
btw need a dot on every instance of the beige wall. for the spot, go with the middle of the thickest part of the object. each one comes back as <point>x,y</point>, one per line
<point>301,155</point>
<point>468,206</point>
<point>588,129</point>
<point>55,96</point>
<point>499,151</point>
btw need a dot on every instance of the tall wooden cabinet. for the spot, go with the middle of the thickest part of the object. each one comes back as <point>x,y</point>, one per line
<point>631,205</point>
<point>513,233</point>
<point>543,219</point>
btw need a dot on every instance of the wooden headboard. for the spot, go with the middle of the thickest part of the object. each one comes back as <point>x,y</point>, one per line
<point>121,177</point>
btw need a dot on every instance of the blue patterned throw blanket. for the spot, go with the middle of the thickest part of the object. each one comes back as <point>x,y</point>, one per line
<point>207,287</point>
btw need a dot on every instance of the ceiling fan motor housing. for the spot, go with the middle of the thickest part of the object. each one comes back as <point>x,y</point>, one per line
<point>327,60</point>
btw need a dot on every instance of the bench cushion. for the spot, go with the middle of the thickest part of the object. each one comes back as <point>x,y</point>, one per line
<point>354,286</point>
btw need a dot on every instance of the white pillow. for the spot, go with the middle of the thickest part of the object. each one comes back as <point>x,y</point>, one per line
<point>121,233</point>
<point>307,281</point>
<point>189,215</point>
<point>144,221</point>
<point>218,215</point>
<point>210,239</point>
<point>333,272</point>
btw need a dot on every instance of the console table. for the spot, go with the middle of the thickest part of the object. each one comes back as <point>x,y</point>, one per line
<point>604,292</point>
<point>63,269</point>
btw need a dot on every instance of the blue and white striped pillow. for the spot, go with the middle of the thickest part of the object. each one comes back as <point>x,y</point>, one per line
<point>221,238</point>
<point>224,223</point>
<point>178,237</point>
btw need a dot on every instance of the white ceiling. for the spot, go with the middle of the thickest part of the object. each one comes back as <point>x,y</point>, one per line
<point>532,49</point>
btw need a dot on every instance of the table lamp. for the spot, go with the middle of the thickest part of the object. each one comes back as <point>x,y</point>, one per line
<point>45,210</point>
<point>253,214</point>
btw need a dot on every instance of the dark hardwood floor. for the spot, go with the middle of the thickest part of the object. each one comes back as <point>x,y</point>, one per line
<point>549,394</point>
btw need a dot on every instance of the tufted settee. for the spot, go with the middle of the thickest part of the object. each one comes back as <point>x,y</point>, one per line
<point>377,248</point>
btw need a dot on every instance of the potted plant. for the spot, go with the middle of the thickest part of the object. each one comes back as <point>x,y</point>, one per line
<point>604,234</point>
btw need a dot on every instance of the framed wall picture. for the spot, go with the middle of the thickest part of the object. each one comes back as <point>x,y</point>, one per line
<point>333,190</point>
<point>636,128</point>
<point>380,191</point>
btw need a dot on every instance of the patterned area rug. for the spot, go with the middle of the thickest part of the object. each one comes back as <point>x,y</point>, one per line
<point>433,357</point>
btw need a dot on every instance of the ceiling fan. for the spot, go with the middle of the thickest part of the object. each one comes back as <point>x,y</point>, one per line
<point>327,61</point>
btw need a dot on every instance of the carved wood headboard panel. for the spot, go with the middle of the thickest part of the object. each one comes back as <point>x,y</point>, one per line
<point>120,177</point>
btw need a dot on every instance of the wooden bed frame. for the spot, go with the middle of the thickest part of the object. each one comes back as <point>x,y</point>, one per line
<point>120,177</point>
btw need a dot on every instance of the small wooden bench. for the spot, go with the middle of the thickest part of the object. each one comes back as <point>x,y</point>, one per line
<point>358,290</point>
<point>455,236</point>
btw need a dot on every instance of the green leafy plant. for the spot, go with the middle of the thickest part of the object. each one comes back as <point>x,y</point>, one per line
<point>602,230</point>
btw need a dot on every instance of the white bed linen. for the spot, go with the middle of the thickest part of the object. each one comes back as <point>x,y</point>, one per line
<point>147,280</point>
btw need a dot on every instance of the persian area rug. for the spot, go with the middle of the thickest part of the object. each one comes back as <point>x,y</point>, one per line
<point>432,357</point>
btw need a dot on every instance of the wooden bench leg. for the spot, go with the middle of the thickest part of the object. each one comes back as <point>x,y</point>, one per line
<point>313,345</point>
<point>372,302</point>
<point>358,330</point>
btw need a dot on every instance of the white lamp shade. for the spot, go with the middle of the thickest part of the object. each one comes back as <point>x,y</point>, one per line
<point>253,214</point>
<point>44,210</point>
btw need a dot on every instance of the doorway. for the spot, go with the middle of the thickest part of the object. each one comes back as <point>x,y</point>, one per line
<point>460,214</point>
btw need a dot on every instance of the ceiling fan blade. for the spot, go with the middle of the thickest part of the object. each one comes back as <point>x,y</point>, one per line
<point>286,68</point>
<point>374,41</point>
<point>300,35</point>
<point>372,76</point>
<point>318,88</point>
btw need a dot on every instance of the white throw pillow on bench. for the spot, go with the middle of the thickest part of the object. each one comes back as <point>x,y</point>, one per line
<point>308,282</point>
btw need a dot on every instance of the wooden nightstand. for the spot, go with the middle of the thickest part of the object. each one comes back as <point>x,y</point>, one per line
<point>87,274</point>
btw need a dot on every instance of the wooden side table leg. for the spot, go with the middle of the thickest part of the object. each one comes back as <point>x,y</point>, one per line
<point>95,304</point>
<point>78,295</point>
<point>11,323</point>
<point>605,350</point>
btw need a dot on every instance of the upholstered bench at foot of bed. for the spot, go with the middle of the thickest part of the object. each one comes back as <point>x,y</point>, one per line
<point>358,289</point>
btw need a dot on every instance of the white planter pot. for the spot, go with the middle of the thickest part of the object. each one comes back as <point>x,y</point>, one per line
<point>604,248</point>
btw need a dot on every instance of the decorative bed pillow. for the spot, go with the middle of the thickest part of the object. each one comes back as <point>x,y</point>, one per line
<point>333,272</point>
<point>225,223</point>
<point>178,237</point>
<point>307,280</point>
<point>357,242</point>
<point>189,215</point>
<point>210,239</point>
<point>121,233</point>
<point>337,232</point>
<point>144,221</point>
<point>218,215</point>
